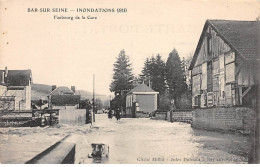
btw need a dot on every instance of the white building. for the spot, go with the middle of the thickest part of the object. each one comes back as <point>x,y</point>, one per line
<point>15,89</point>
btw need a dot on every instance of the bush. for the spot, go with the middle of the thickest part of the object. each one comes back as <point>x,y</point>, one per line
<point>164,102</point>
<point>184,102</point>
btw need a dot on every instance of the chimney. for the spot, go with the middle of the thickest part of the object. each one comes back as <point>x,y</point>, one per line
<point>3,77</point>
<point>53,87</point>
<point>6,71</point>
<point>73,89</point>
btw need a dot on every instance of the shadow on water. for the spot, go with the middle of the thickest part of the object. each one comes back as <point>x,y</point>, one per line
<point>100,160</point>
<point>236,144</point>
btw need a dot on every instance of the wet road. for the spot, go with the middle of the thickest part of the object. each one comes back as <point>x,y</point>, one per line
<point>142,140</point>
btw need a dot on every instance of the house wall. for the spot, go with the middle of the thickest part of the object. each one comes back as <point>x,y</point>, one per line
<point>22,97</point>
<point>28,98</point>
<point>129,100</point>
<point>244,72</point>
<point>146,102</point>
<point>2,90</point>
<point>7,103</point>
<point>3,102</point>
<point>129,104</point>
<point>217,73</point>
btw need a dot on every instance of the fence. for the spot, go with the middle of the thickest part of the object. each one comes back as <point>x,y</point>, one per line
<point>72,117</point>
<point>14,118</point>
<point>27,117</point>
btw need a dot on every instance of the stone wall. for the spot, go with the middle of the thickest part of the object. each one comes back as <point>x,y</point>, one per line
<point>161,115</point>
<point>232,119</point>
<point>177,116</point>
<point>141,114</point>
<point>180,116</point>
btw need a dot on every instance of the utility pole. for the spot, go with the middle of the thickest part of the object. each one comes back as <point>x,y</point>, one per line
<point>172,107</point>
<point>110,102</point>
<point>122,100</point>
<point>94,120</point>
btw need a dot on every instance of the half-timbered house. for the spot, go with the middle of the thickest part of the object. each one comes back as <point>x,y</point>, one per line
<point>225,64</point>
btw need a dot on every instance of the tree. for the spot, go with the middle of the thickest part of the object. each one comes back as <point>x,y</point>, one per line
<point>175,77</point>
<point>106,104</point>
<point>144,77</point>
<point>186,64</point>
<point>98,103</point>
<point>164,101</point>
<point>122,80</point>
<point>122,77</point>
<point>153,73</point>
<point>158,81</point>
<point>85,104</point>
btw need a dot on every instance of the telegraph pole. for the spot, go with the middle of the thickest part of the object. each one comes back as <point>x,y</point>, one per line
<point>94,120</point>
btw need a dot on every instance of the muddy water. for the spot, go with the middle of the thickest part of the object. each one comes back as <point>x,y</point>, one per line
<point>154,141</point>
<point>18,145</point>
<point>130,141</point>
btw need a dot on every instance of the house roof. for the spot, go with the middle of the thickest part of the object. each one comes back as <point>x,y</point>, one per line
<point>65,100</point>
<point>142,88</point>
<point>17,77</point>
<point>61,91</point>
<point>242,36</point>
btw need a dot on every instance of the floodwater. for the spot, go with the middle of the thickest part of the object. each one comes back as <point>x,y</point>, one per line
<point>142,140</point>
<point>130,140</point>
<point>20,144</point>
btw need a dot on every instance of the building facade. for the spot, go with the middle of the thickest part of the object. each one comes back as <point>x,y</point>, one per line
<point>225,64</point>
<point>141,99</point>
<point>63,98</point>
<point>15,89</point>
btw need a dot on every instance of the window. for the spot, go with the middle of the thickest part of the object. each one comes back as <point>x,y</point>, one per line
<point>196,100</point>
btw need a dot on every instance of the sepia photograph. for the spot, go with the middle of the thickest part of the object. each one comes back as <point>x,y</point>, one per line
<point>129,82</point>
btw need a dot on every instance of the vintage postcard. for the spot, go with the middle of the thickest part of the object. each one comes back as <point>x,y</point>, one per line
<point>129,82</point>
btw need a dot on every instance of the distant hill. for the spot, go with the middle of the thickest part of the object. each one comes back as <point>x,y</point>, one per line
<point>88,95</point>
<point>41,90</point>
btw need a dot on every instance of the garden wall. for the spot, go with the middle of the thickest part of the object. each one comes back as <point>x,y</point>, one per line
<point>234,119</point>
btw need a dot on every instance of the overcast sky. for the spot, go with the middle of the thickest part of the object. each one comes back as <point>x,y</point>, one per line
<point>66,52</point>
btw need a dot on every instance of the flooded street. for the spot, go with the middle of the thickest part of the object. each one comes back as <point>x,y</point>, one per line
<point>142,140</point>
<point>20,144</point>
<point>130,140</point>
